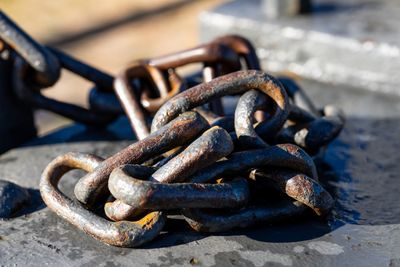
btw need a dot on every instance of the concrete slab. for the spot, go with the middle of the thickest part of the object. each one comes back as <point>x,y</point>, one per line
<point>351,42</point>
<point>360,169</point>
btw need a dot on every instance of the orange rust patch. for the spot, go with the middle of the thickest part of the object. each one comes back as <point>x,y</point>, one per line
<point>147,221</point>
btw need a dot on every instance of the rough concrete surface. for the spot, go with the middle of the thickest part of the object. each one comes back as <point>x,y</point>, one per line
<point>360,169</point>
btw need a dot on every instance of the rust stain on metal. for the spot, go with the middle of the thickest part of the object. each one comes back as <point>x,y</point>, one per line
<point>193,158</point>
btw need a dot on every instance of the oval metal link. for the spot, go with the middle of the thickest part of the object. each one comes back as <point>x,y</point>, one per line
<point>123,233</point>
<point>233,83</point>
<point>299,187</point>
<point>131,102</point>
<point>204,221</point>
<point>283,155</point>
<point>141,194</point>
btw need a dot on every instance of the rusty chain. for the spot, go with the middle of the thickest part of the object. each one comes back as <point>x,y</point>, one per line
<point>192,156</point>
<point>37,67</point>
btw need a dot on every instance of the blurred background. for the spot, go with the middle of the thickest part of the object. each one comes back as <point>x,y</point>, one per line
<point>105,34</point>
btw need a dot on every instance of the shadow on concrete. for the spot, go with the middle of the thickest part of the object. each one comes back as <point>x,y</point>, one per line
<point>334,7</point>
<point>118,130</point>
<point>178,232</point>
<point>361,170</point>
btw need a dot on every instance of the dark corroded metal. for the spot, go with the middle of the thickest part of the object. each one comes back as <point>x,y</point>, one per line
<point>299,187</point>
<point>233,83</point>
<point>37,67</point>
<point>225,122</point>
<point>216,58</point>
<point>180,131</point>
<point>130,101</point>
<point>153,104</point>
<point>117,210</point>
<point>124,233</point>
<point>108,103</point>
<point>210,71</point>
<point>248,104</point>
<point>309,131</point>
<point>207,53</point>
<point>298,96</point>
<point>12,198</point>
<point>101,79</point>
<point>159,196</point>
<point>47,67</point>
<point>46,61</point>
<point>283,155</point>
<point>104,102</point>
<point>243,48</point>
<point>246,52</point>
<point>313,135</point>
<point>299,115</point>
<point>246,132</point>
<point>212,56</point>
<point>332,111</point>
<point>208,221</point>
<point>211,146</point>
<point>27,93</point>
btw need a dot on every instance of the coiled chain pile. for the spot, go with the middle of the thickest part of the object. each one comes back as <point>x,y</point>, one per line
<point>218,170</point>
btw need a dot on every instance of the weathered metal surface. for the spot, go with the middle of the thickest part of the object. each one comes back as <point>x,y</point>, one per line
<point>178,132</point>
<point>248,104</point>
<point>207,53</point>
<point>36,67</point>
<point>211,146</point>
<point>340,42</point>
<point>312,135</point>
<point>160,196</point>
<point>125,233</point>
<point>221,56</point>
<point>279,211</point>
<point>233,83</point>
<point>364,230</point>
<point>45,63</point>
<point>299,187</point>
<point>283,155</point>
<point>129,100</point>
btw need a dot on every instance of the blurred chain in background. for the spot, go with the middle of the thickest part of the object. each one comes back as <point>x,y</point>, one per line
<point>105,34</point>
